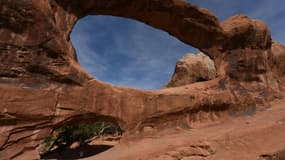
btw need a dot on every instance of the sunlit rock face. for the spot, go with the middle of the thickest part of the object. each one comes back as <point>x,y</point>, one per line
<point>43,87</point>
<point>193,68</point>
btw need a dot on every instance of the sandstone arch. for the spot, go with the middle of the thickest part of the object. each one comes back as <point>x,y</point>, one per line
<point>42,85</point>
<point>171,16</point>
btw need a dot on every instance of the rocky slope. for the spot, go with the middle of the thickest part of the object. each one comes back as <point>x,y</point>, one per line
<point>256,137</point>
<point>43,87</point>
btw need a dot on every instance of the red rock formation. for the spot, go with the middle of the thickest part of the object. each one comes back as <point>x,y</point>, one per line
<point>193,68</point>
<point>278,64</point>
<point>42,86</point>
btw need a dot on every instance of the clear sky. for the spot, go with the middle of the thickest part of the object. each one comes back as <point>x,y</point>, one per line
<point>129,53</point>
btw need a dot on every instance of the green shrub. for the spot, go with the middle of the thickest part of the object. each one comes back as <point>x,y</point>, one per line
<point>66,135</point>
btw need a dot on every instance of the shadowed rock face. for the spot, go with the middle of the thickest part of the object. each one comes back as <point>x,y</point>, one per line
<point>278,51</point>
<point>42,86</point>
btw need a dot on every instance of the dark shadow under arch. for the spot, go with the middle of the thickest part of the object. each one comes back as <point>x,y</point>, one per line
<point>81,136</point>
<point>80,152</point>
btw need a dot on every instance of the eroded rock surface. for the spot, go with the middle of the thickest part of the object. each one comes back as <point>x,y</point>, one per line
<point>193,68</point>
<point>43,87</point>
<point>278,51</point>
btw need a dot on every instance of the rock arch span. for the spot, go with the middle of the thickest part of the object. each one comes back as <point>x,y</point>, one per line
<point>126,52</point>
<point>43,86</point>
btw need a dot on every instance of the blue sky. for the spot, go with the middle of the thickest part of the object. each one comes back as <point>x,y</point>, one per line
<point>129,53</point>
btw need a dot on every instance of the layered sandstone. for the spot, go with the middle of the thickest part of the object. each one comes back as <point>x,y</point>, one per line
<point>43,87</point>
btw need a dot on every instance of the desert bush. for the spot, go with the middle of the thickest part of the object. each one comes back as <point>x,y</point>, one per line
<point>63,137</point>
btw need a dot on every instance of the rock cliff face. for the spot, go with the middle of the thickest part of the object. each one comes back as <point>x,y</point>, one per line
<point>193,68</point>
<point>278,51</point>
<point>43,87</point>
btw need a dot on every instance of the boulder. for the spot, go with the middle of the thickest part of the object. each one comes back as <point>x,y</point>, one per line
<point>193,68</point>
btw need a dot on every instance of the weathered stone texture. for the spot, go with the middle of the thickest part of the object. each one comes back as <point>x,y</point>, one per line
<point>42,86</point>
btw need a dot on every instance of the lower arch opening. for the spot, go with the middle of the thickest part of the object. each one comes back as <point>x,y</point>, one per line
<point>80,140</point>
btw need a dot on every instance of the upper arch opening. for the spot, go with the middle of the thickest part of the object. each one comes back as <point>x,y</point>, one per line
<point>126,52</point>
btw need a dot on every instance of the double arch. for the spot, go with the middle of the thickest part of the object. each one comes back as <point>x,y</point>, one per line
<point>46,61</point>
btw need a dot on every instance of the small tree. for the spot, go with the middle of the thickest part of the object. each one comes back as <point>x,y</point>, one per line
<point>81,132</point>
